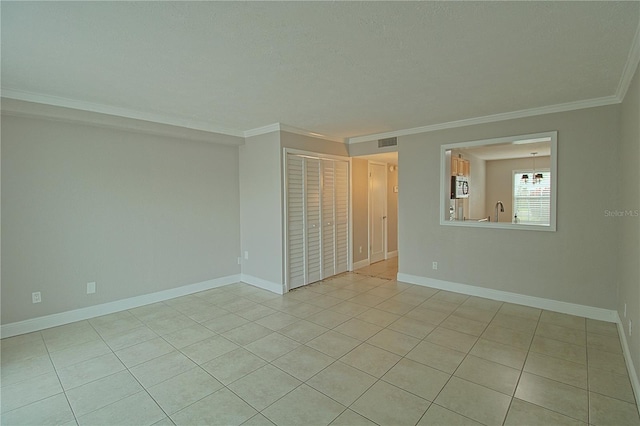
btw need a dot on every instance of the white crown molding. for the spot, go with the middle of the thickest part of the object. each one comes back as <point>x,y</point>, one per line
<point>118,112</point>
<point>54,320</point>
<point>275,127</point>
<point>551,109</point>
<point>303,132</point>
<point>630,67</point>
<point>34,104</point>
<point>279,127</point>
<point>19,108</point>
<point>633,61</point>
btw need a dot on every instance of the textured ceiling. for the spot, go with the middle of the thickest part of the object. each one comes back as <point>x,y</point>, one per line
<point>336,68</point>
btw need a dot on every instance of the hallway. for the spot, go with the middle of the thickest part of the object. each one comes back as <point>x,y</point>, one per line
<point>387,269</point>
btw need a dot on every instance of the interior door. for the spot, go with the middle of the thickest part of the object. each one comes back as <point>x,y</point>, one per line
<point>377,211</point>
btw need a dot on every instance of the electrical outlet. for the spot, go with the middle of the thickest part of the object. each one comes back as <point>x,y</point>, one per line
<point>239,260</point>
<point>246,255</point>
<point>360,249</point>
<point>91,287</point>
<point>629,328</point>
<point>36,297</point>
<point>625,310</point>
<point>435,265</point>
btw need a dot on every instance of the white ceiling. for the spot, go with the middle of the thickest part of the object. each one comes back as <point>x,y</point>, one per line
<point>340,69</point>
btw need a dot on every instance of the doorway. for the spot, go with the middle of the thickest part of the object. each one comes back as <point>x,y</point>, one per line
<point>377,211</point>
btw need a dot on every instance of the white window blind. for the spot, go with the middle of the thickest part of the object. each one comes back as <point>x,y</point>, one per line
<point>532,201</point>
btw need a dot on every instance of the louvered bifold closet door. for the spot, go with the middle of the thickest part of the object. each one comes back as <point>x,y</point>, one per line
<point>341,214</point>
<point>328,219</point>
<point>313,220</point>
<point>295,221</point>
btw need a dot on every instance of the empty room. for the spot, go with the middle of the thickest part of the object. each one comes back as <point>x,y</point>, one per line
<point>320,213</point>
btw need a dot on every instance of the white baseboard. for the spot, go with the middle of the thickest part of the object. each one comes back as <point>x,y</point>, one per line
<point>633,375</point>
<point>541,303</point>
<point>264,284</point>
<point>392,254</point>
<point>361,264</point>
<point>54,320</point>
<point>520,299</point>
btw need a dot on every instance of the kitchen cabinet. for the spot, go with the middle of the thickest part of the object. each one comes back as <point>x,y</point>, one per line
<point>460,166</point>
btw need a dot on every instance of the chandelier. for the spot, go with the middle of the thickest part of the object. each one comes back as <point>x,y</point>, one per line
<point>537,177</point>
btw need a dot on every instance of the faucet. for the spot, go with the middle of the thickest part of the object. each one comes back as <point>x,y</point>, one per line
<point>499,204</point>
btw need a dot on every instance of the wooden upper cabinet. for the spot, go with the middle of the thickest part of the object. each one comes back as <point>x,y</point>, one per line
<point>454,166</point>
<point>459,166</point>
<point>465,167</point>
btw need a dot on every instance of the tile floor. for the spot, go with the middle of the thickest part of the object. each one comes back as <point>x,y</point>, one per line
<point>357,349</point>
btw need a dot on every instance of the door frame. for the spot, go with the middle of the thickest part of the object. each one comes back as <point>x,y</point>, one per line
<point>385,212</point>
<point>283,207</point>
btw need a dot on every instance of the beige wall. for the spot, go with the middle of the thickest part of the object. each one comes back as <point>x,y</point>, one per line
<point>261,207</point>
<point>575,264</point>
<point>311,144</point>
<point>360,208</point>
<point>392,209</point>
<point>135,213</point>
<point>629,226</point>
<point>369,147</point>
<point>499,184</point>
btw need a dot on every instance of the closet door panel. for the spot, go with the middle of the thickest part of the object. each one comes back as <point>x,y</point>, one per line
<point>317,206</point>
<point>295,221</point>
<point>341,208</point>
<point>328,219</point>
<point>313,217</point>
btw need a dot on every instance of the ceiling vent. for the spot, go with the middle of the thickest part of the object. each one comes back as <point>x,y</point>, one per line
<point>382,143</point>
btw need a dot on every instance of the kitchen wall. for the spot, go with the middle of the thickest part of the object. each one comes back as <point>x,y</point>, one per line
<point>575,264</point>
<point>499,184</point>
<point>629,226</point>
<point>134,212</point>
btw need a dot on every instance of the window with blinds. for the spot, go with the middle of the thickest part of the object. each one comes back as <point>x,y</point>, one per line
<point>532,201</point>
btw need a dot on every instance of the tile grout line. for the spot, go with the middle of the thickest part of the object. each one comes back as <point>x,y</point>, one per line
<point>524,362</point>
<point>556,381</point>
<point>245,296</point>
<point>463,359</point>
<point>586,350</point>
